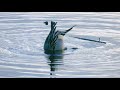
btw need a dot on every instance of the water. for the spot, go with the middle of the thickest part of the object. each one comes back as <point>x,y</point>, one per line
<point>22,36</point>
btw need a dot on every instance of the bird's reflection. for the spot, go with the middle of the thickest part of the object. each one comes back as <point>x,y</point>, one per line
<point>55,59</point>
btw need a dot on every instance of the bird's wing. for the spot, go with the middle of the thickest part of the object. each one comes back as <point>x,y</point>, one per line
<point>52,37</point>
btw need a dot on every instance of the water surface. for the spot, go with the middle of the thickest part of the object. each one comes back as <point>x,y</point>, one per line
<point>22,36</point>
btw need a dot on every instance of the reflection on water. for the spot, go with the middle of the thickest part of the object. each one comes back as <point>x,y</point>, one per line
<point>55,59</point>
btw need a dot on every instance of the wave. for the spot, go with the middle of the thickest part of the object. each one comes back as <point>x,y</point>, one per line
<point>5,52</point>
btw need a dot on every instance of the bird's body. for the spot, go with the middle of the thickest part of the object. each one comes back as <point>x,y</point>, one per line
<point>59,43</point>
<point>54,41</point>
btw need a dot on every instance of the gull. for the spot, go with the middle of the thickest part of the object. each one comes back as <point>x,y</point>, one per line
<point>54,40</point>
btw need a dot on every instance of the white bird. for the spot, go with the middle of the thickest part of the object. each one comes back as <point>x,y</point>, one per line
<point>54,40</point>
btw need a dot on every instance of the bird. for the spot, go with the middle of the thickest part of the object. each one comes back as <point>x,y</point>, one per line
<point>54,40</point>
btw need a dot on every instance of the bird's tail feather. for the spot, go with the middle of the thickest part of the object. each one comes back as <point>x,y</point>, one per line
<point>64,32</point>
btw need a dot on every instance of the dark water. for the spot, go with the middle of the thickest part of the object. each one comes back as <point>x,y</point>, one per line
<point>22,36</point>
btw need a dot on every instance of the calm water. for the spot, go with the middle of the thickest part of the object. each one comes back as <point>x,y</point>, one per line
<point>22,36</point>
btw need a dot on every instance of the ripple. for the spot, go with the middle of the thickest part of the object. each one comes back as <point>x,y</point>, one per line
<point>22,37</point>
